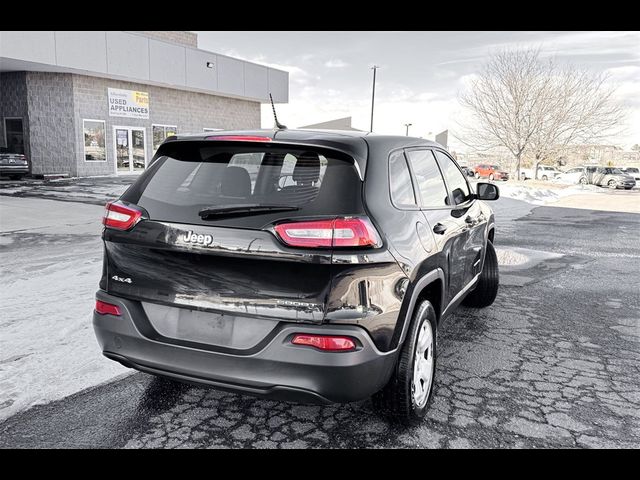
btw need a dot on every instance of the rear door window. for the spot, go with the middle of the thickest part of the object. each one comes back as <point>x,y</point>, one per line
<point>433,193</point>
<point>402,193</point>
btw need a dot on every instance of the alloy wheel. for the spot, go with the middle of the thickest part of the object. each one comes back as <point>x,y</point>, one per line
<point>423,365</point>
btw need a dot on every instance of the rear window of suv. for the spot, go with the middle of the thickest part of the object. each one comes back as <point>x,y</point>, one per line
<point>192,176</point>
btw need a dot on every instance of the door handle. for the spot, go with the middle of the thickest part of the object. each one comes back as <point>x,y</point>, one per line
<point>439,228</point>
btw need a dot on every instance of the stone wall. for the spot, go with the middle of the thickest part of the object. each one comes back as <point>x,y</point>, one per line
<point>54,105</point>
<point>190,112</point>
<point>13,103</point>
<point>51,123</point>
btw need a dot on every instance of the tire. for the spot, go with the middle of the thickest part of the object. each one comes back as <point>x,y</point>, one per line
<point>582,181</point>
<point>545,178</point>
<point>398,399</point>
<point>486,289</point>
<point>491,177</point>
<point>612,184</point>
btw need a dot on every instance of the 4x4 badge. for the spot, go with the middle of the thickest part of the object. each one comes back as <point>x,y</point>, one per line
<point>122,279</point>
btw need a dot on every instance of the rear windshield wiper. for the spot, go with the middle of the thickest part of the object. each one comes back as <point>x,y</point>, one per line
<point>219,211</point>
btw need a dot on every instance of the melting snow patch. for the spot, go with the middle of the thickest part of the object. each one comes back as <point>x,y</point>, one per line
<point>510,257</point>
<point>518,259</point>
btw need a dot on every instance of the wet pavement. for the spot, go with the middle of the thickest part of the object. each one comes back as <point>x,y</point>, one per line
<point>555,362</point>
<point>90,190</point>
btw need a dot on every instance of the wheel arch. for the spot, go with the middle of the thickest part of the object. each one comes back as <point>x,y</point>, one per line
<point>430,286</point>
<point>491,233</point>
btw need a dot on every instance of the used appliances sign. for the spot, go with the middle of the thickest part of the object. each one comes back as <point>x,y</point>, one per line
<point>128,103</point>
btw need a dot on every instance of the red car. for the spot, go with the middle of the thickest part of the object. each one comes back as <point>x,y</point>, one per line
<point>492,172</point>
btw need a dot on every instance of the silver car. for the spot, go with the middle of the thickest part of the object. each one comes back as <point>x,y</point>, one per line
<point>608,177</point>
<point>632,172</point>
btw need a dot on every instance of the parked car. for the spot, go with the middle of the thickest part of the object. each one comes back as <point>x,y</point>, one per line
<point>318,290</point>
<point>572,176</point>
<point>608,177</point>
<point>492,172</point>
<point>468,171</point>
<point>545,172</point>
<point>14,165</point>
<point>632,172</point>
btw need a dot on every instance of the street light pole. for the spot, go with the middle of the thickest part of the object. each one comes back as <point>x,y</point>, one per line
<point>373,94</point>
<point>407,125</point>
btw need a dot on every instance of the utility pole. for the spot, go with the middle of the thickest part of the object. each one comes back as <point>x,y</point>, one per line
<point>373,93</point>
<point>407,125</point>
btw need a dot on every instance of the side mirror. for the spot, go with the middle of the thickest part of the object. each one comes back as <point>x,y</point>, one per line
<point>487,191</point>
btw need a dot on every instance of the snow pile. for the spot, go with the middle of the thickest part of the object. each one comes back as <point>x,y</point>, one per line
<point>543,195</point>
<point>510,257</point>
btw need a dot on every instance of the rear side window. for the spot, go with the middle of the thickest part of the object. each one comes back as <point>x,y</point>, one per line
<point>198,175</point>
<point>433,192</point>
<point>455,180</point>
<point>402,193</point>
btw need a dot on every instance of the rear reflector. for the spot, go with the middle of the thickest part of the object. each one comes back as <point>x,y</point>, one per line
<point>339,232</point>
<point>325,342</point>
<point>120,217</point>
<point>239,138</point>
<point>104,308</point>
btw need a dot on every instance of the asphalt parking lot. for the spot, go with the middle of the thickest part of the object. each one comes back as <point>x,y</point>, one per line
<point>555,362</point>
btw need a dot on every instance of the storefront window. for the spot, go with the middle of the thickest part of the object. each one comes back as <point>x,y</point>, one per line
<point>14,135</point>
<point>160,132</point>
<point>94,141</point>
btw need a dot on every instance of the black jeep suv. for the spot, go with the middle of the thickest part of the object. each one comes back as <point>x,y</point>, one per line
<point>300,265</point>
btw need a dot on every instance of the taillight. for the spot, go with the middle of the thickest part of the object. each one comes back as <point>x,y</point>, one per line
<point>339,232</point>
<point>239,138</point>
<point>120,217</point>
<point>325,342</point>
<point>104,308</point>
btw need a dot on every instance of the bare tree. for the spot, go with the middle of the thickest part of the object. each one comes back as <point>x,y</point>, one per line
<point>581,110</point>
<point>527,105</point>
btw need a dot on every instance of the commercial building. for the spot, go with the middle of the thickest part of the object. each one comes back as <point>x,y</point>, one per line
<point>100,102</point>
<point>337,124</point>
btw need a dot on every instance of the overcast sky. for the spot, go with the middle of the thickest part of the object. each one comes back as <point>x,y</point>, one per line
<point>420,75</point>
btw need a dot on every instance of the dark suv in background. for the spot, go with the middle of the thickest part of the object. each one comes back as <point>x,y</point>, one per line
<point>299,265</point>
<point>13,165</point>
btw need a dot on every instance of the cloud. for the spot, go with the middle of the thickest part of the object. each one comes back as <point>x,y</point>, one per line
<point>335,63</point>
<point>323,85</point>
<point>574,44</point>
<point>426,96</point>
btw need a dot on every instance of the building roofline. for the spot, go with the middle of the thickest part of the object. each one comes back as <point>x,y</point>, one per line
<point>163,63</point>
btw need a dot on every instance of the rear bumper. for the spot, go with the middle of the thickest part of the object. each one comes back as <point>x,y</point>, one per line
<point>11,169</point>
<point>277,370</point>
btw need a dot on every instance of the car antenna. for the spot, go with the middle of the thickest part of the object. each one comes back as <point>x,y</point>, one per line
<point>279,126</point>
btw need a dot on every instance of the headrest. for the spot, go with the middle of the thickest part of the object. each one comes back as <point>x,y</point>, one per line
<point>235,182</point>
<point>307,169</point>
